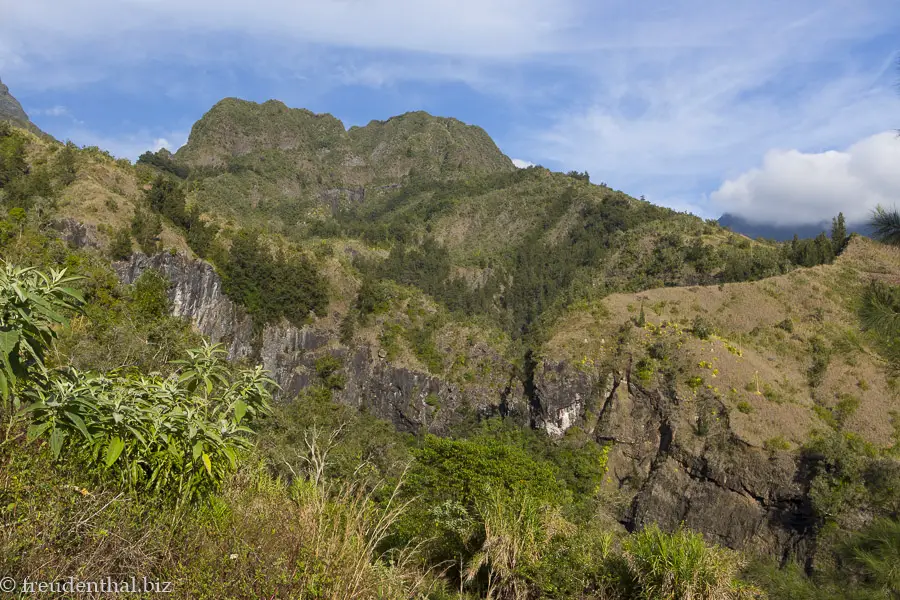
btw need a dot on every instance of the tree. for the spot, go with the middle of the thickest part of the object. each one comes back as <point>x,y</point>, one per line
<point>120,248</point>
<point>885,225</point>
<point>838,233</point>
<point>146,229</point>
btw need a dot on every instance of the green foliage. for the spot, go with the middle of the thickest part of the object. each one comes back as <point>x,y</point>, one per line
<point>821,356</point>
<point>12,156</point>
<point>879,314</point>
<point>162,160</point>
<point>32,303</point>
<point>851,474</point>
<point>872,555</point>
<point>679,565</point>
<point>701,328</point>
<point>120,247</point>
<point>838,233</point>
<point>885,225</point>
<point>271,288</point>
<point>177,438</point>
<point>146,229</point>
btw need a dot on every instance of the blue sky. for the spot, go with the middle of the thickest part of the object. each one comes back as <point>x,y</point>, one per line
<point>774,110</point>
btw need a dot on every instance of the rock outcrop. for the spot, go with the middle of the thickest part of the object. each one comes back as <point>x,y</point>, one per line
<point>10,109</point>
<point>669,466</point>
<point>412,400</point>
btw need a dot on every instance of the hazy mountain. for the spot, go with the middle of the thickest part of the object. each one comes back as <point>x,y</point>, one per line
<point>782,233</point>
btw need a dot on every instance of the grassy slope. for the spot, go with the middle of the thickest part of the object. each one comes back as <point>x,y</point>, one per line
<point>820,302</point>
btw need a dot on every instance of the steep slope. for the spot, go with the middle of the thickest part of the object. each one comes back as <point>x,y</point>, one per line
<point>288,164</point>
<point>12,111</point>
<point>711,403</point>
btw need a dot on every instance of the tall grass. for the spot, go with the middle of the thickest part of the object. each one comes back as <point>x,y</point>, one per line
<point>679,566</point>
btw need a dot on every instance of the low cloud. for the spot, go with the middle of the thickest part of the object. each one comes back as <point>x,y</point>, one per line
<point>794,188</point>
<point>522,164</point>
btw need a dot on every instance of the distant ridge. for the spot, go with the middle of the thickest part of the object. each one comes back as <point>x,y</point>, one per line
<point>782,233</point>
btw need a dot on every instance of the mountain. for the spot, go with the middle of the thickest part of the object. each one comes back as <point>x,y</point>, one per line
<point>571,349</point>
<point>782,233</point>
<point>274,139</point>
<point>12,111</point>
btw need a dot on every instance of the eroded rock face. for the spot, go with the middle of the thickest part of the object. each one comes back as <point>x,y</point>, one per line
<point>665,468</point>
<point>412,400</point>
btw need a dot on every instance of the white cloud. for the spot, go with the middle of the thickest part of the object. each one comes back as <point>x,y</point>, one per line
<point>55,111</point>
<point>522,164</point>
<point>688,95</point>
<point>489,28</point>
<point>127,145</point>
<point>793,188</point>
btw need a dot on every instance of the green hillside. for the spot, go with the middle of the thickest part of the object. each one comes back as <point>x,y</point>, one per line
<point>622,351</point>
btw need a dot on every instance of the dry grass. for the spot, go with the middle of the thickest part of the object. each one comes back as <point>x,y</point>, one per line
<point>819,302</point>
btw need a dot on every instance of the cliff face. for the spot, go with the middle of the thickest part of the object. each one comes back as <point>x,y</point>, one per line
<point>410,399</point>
<point>660,469</point>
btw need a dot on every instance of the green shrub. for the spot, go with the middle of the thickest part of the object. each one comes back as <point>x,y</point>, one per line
<point>32,304</point>
<point>701,328</point>
<point>176,437</point>
<point>679,565</point>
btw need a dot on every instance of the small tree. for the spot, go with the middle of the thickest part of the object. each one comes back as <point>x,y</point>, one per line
<point>838,233</point>
<point>120,248</point>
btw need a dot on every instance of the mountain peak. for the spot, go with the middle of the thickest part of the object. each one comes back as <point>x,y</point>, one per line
<point>241,131</point>
<point>10,109</point>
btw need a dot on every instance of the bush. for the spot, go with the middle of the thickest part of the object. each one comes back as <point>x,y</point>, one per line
<point>120,247</point>
<point>176,437</point>
<point>32,304</point>
<point>701,328</point>
<point>679,565</point>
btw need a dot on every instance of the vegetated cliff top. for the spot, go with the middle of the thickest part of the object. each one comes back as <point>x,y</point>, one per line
<point>277,140</point>
<point>785,356</point>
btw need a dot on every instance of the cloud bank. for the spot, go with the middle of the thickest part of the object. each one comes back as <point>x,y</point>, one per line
<point>796,188</point>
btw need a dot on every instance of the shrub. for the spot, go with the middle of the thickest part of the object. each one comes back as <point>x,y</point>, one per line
<point>679,565</point>
<point>786,325</point>
<point>178,437</point>
<point>701,328</point>
<point>32,303</point>
<point>120,246</point>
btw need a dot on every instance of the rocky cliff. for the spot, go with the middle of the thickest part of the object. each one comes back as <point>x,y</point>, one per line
<point>660,470</point>
<point>12,111</point>
<point>412,400</point>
